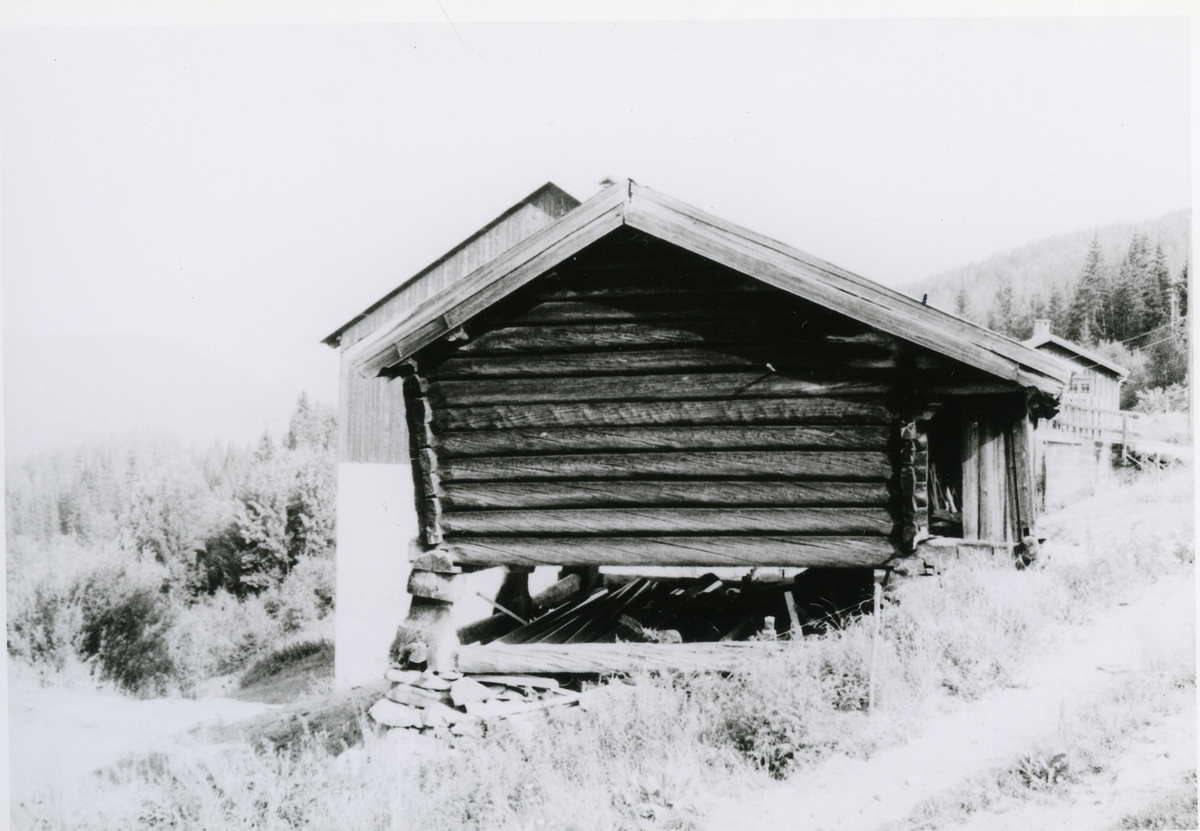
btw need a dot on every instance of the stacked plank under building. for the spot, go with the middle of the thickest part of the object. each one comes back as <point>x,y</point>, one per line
<point>638,384</point>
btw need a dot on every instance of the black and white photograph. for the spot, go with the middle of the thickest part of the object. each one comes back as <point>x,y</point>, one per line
<point>600,415</point>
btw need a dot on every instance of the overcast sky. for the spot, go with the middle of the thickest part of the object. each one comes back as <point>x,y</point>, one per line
<point>188,210</point>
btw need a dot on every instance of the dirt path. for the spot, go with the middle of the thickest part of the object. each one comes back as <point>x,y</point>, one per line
<point>1157,759</point>
<point>58,736</point>
<point>854,795</point>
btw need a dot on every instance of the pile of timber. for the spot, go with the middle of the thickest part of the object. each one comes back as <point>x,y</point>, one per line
<point>623,623</point>
<point>705,609</point>
<point>459,705</point>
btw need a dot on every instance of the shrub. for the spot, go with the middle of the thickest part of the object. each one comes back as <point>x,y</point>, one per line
<point>128,638</point>
<point>280,659</point>
<point>305,597</point>
<point>93,606</point>
<point>1172,399</point>
<point>219,635</point>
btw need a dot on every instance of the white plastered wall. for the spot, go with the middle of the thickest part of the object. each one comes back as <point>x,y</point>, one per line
<point>376,521</point>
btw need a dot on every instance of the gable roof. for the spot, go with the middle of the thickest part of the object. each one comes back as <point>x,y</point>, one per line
<point>538,209</point>
<point>1093,359</point>
<point>778,265</point>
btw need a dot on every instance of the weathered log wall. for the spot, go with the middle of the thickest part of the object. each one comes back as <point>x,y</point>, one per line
<point>643,406</point>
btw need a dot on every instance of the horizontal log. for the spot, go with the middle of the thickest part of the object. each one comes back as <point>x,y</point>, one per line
<point>607,658</point>
<point>688,307</point>
<point>484,495</point>
<point>641,279</point>
<point>699,385</point>
<point>775,551</point>
<point>589,337</point>
<point>639,413</point>
<point>843,465</point>
<point>633,362</point>
<point>724,437</point>
<point>609,521</point>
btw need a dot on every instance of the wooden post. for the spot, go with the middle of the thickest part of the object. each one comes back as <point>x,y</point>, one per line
<point>991,474</point>
<point>970,471</point>
<point>909,486</point>
<point>435,582</point>
<point>1024,445</point>
<point>878,608</point>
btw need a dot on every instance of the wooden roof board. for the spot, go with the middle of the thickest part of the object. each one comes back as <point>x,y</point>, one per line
<point>481,288</point>
<point>550,198</point>
<point>627,203</point>
<point>1086,355</point>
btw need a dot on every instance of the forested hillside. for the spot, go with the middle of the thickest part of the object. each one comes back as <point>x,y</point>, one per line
<point>155,565</point>
<point>1039,270</point>
<point>1121,289</point>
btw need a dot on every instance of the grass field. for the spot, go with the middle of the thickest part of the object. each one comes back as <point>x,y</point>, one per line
<point>668,752</point>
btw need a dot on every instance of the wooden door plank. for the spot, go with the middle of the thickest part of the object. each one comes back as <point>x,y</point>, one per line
<point>1023,472</point>
<point>993,481</point>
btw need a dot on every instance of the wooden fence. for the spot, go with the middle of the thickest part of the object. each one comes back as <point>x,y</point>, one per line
<point>1097,423</point>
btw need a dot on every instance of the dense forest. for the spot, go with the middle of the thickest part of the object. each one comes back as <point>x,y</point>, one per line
<point>121,555</point>
<point>1037,269</point>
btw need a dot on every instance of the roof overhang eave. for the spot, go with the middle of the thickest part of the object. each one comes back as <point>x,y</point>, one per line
<point>626,203</point>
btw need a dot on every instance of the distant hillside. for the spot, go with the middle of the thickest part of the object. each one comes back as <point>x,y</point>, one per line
<point>1036,269</point>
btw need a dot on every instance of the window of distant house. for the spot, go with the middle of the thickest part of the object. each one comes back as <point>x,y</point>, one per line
<point>1081,385</point>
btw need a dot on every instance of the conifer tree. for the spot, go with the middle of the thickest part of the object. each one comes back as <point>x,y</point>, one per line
<point>1056,311</point>
<point>960,302</point>
<point>1125,301</point>
<point>1181,291</point>
<point>1084,318</point>
<point>265,451</point>
<point>1156,293</point>
<point>1002,317</point>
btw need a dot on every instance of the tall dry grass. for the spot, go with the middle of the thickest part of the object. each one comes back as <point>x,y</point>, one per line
<point>648,752</point>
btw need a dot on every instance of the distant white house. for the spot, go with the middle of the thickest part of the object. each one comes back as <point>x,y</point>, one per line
<point>1097,380</point>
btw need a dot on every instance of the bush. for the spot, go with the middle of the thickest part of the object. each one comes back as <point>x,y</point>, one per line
<point>1172,399</point>
<point>77,613</point>
<point>79,605</point>
<point>305,597</point>
<point>280,659</point>
<point>219,635</point>
<point>127,637</point>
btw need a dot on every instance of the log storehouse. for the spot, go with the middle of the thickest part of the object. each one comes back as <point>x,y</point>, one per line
<point>633,382</point>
